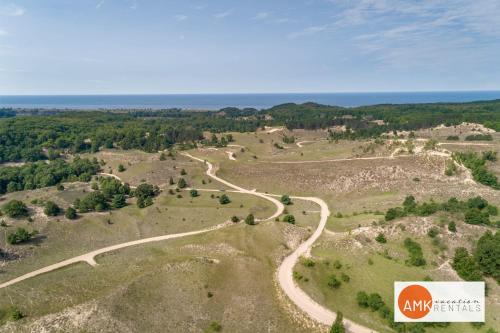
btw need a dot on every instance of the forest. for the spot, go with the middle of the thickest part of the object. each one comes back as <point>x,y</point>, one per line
<point>37,134</point>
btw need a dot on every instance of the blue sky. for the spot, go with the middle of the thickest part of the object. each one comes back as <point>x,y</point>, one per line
<point>222,46</point>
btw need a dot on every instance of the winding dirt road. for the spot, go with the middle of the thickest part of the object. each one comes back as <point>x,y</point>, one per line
<point>90,257</point>
<point>285,271</point>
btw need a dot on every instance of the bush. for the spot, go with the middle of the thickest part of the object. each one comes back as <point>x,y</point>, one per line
<point>194,193</point>
<point>51,209</point>
<point>475,216</point>
<point>15,209</point>
<point>214,327</point>
<point>289,219</point>
<point>362,299</point>
<point>118,201</point>
<point>181,183</point>
<point>375,301</point>
<point>121,168</point>
<point>415,251</point>
<point>479,137</point>
<point>333,282</point>
<point>308,262</point>
<point>250,219</point>
<point>21,235</point>
<point>183,172</point>
<point>487,254</point>
<point>381,238</point>
<point>285,199</point>
<point>433,232</point>
<point>453,138</point>
<point>394,213</point>
<point>224,199</point>
<point>452,226</point>
<point>338,325</point>
<point>465,265</point>
<point>71,213</point>
<point>14,314</point>
<point>345,277</point>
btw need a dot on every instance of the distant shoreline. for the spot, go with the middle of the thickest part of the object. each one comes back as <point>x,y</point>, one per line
<point>211,102</point>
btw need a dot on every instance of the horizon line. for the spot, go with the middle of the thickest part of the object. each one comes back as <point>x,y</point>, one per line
<point>255,93</point>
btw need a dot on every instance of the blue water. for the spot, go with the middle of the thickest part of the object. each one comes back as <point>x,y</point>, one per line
<point>218,101</point>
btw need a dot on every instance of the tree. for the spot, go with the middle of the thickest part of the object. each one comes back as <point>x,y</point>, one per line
<point>487,254</point>
<point>51,209</point>
<point>235,219</point>
<point>375,301</point>
<point>333,282</point>
<point>194,193</point>
<point>289,219</point>
<point>409,203</point>
<point>250,219</point>
<point>183,172</point>
<point>381,238</point>
<point>15,209</point>
<point>181,183</point>
<point>21,235</point>
<point>121,168</point>
<point>452,226</point>
<point>466,266</point>
<point>476,216</point>
<point>71,213</point>
<point>338,325</point>
<point>224,199</point>
<point>118,201</point>
<point>285,199</point>
<point>362,299</point>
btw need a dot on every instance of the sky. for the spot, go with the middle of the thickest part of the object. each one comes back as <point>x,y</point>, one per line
<point>247,46</point>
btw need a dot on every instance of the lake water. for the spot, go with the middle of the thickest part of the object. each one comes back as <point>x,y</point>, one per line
<point>217,101</point>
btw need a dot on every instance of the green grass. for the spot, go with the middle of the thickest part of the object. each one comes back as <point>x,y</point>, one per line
<point>164,286</point>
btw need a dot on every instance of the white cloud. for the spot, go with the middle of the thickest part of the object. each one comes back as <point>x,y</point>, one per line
<point>307,31</point>
<point>261,16</point>
<point>180,17</point>
<point>223,14</point>
<point>12,10</point>
<point>3,32</point>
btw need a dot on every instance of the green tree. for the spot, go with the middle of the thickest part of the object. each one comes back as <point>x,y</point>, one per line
<point>15,209</point>
<point>224,199</point>
<point>21,235</point>
<point>71,213</point>
<point>194,193</point>
<point>118,201</point>
<point>289,219</point>
<point>333,282</point>
<point>250,219</point>
<point>121,168</point>
<point>181,183</point>
<point>285,199</point>
<point>381,238</point>
<point>452,226</point>
<point>466,266</point>
<point>338,325</point>
<point>362,299</point>
<point>487,254</point>
<point>375,301</point>
<point>51,209</point>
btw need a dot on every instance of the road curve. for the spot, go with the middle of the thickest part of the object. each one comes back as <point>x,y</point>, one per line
<point>285,277</point>
<point>211,173</point>
<point>285,271</point>
<point>90,257</point>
